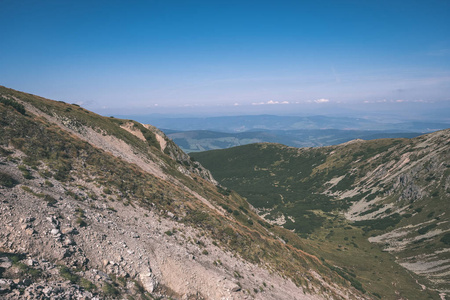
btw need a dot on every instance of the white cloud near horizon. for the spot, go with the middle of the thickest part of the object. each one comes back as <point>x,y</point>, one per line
<point>270,102</point>
<point>397,101</point>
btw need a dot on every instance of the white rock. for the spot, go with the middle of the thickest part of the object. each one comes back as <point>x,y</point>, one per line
<point>30,262</point>
<point>149,281</point>
<point>5,262</point>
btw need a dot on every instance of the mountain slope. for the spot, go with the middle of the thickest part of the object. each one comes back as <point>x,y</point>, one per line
<point>102,207</point>
<point>393,192</point>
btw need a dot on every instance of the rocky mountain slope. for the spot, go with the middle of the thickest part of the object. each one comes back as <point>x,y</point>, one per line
<point>378,208</point>
<point>98,207</point>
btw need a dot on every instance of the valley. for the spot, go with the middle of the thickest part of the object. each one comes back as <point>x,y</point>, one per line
<point>359,204</point>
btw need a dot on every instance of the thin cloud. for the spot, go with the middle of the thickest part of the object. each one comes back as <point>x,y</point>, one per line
<point>397,101</point>
<point>84,103</point>
<point>270,102</point>
<point>322,100</point>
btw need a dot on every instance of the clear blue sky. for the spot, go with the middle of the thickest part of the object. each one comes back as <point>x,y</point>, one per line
<point>155,56</point>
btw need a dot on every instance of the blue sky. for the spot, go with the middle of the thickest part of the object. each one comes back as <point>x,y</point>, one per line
<point>227,56</point>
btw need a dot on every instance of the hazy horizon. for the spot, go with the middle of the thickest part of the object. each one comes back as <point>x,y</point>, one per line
<point>385,112</point>
<point>231,57</point>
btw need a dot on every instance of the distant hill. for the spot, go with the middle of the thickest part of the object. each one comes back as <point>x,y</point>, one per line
<point>203,140</point>
<point>352,200</point>
<point>234,124</point>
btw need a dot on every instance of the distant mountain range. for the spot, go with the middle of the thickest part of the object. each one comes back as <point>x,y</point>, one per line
<point>203,140</point>
<point>202,134</point>
<point>233,124</point>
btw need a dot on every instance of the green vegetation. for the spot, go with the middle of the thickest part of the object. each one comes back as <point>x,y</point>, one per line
<point>281,178</point>
<point>14,104</point>
<point>349,276</point>
<point>49,199</point>
<point>25,172</point>
<point>80,218</point>
<point>109,289</point>
<point>446,239</point>
<point>23,270</point>
<point>74,278</point>
<point>14,257</point>
<point>7,180</point>
<point>379,224</point>
<point>29,271</point>
<point>87,285</point>
<point>425,229</point>
<point>67,274</point>
<point>4,152</point>
<point>302,186</point>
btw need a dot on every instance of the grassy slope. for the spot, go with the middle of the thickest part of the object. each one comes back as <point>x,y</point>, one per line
<point>276,176</point>
<point>54,153</point>
<point>292,182</point>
